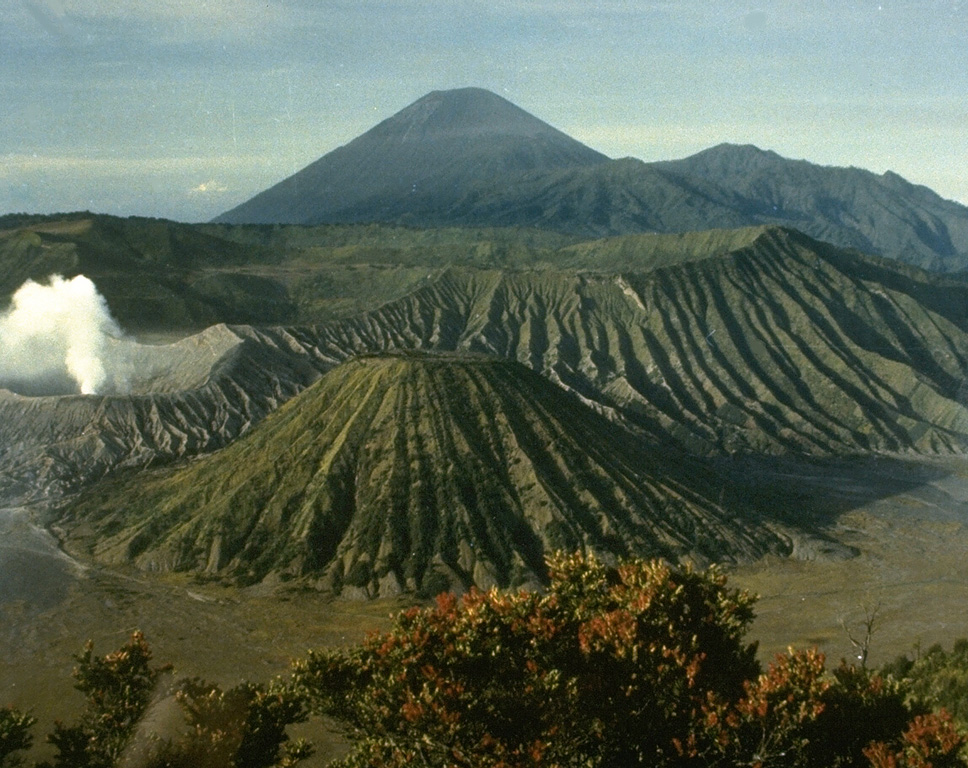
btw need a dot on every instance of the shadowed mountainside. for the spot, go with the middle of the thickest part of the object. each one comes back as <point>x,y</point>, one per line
<point>156,274</point>
<point>161,276</point>
<point>852,207</point>
<point>164,276</point>
<point>418,473</point>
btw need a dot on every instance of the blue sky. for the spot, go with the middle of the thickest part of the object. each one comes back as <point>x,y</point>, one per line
<point>184,108</point>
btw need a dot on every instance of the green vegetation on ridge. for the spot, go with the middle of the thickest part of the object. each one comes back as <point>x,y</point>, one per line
<point>163,276</point>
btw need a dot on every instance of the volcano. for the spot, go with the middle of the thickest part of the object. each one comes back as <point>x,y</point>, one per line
<point>423,159</point>
<point>469,158</point>
<point>418,472</point>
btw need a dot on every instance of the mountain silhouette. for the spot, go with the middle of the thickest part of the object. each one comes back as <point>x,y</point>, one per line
<point>422,159</point>
<point>882,214</point>
<point>470,158</point>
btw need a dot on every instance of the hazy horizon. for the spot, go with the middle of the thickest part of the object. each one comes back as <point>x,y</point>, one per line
<point>182,109</point>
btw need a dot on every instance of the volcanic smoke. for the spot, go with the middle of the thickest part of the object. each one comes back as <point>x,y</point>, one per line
<point>59,338</point>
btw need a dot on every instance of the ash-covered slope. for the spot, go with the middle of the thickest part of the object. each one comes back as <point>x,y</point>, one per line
<point>187,398</point>
<point>420,160</point>
<point>416,473</point>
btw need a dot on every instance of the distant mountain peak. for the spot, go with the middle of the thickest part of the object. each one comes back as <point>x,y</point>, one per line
<point>736,155</point>
<point>461,112</point>
<point>469,157</point>
<point>425,157</point>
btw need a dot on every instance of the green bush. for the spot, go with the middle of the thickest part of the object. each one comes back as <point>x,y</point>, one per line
<point>936,679</point>
<point>15,735</point>
<point>118,688</point>
<point>634,665</point>
<point>244,727</point>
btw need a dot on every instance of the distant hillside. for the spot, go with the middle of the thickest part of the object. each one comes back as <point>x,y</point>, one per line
<point>852,207</point>
<point>469,158</point>
<point>162,276</point>
<point>156,274</point>
<point>417,473</point>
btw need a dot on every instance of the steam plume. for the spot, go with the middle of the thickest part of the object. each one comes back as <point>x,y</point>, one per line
<point>58,338</point>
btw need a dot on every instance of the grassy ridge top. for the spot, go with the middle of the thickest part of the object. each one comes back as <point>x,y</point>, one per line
<point>160,275</point>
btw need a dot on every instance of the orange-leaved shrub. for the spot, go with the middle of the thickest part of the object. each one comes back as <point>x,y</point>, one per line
<point>635,665</point>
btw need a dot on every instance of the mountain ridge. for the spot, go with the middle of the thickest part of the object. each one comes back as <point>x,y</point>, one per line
<point>758,341</point>
<point>496,174</point>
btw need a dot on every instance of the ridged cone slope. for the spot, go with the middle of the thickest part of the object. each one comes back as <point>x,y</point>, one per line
<point>784,345</point>
<point>417,473</point>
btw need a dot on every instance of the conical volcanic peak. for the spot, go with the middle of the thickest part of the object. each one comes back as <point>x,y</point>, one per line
<point>417,473</point>
<point>463,113</point>
<point>421,160</point>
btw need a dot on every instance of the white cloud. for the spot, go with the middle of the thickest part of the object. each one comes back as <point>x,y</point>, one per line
<point>208,188</point>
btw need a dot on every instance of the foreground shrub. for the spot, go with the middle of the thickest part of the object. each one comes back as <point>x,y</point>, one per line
<point>937,679</point>
<point>639,665</point>
<point>930,741</point>
<point>608,667</point>
<point>799,715</point>
<point>118,688</point>
<point>15,735</point>
<point>244,727</point>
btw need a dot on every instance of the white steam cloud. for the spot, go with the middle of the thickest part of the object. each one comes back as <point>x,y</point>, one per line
<point>59,338</point>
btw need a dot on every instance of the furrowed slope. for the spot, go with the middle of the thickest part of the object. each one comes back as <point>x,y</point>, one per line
<point>415,473</point>
<point>751,341</point>
<point>784,345</point>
